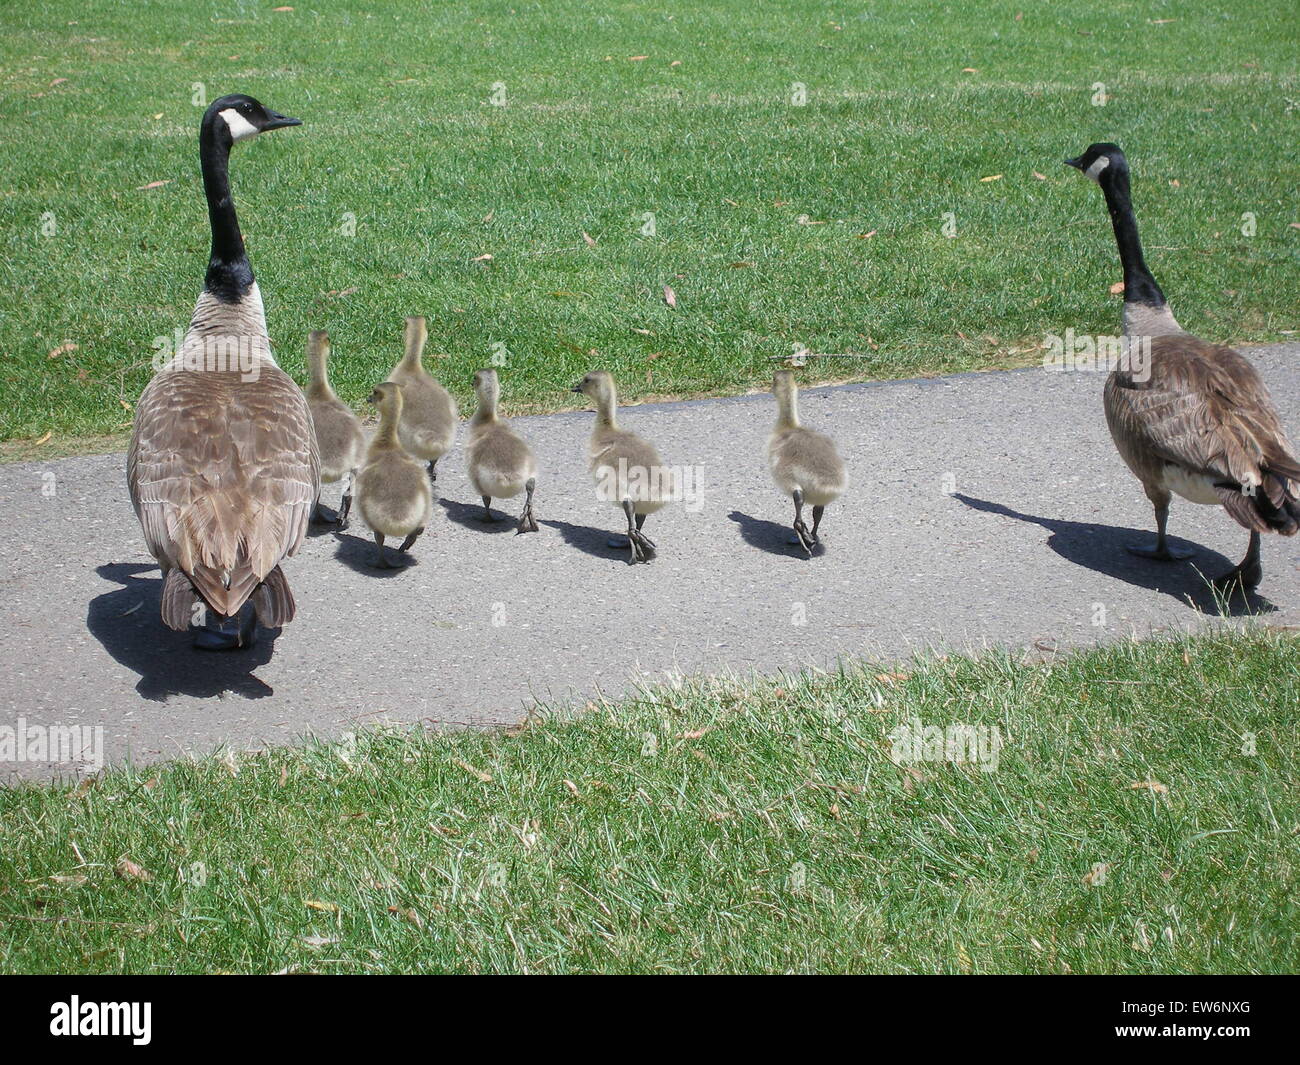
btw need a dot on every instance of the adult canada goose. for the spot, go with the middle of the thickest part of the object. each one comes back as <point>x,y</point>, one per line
<point>501,465</point>
<point>428,426</point>
<point>1194,417</point>
<point>628,470</point>
<point>223,469</point>
<point>805,464</point>
<point>339,437</point>
<point>393,490</point>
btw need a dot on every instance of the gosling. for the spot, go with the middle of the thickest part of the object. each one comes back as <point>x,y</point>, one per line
<point>339,437</point>
<point>627,469</point>
<point>805,464</point>
<point>501,465</point>
<point>393,492</point>
<point>428,426</point>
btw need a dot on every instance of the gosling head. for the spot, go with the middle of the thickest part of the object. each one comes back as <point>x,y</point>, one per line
<point>597,386</point>
<point>240,118</point>
<point>783,384</point>
<point>318,342</point>
<point>1101,162</point>
<point>387,396</point>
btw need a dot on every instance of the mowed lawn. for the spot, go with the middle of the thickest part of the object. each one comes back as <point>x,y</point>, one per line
<point>1139,817</point>
<point>775,225</point>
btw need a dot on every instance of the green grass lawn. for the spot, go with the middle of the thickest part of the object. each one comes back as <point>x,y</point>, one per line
<point>613,112</point>
<point>1141,818</point>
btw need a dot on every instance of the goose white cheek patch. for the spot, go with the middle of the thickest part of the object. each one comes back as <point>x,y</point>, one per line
<point>1097,167</point>
<point>240,127</point>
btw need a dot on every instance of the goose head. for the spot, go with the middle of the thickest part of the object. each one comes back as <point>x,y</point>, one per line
<point>1101,162</point>
<point>598,386</point>
<point>242,117</point>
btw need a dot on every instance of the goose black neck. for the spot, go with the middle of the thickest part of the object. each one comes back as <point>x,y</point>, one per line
<point>1139,285</point>
<point>229,275</point>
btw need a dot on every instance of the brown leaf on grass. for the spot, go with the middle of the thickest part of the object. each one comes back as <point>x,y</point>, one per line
<point>992,177</point>
<point>62,349</point>
<point>486,257</point>
<point>740,264</point>
<point>911,778</point>
<point>73,880</point>
<point>970,70</point>
<point>1294,225</point>
<point>675,63</point>
<point>1176,183</point>
<point>1149,785</point>
<point>642,332</point>
<point>867,236</point>
<point>128,870</point>
<point>43,439</point>
<point>573,788</point>
<point>57,81</point>
<point>1041,177</point>
<point>892,678</point>
<point>409,915</point>
<point>591,241</point>
<point>693,734</point>
<point>284,775</point>
<point>323,907</point>
<point>488,217</point>
<point>806,220</point>
<point>281,9</point>
<point>485,778</point>
<point>670,297</point>
<point>636,58</point>
<point>154,185</point>
<point>1117,288</point>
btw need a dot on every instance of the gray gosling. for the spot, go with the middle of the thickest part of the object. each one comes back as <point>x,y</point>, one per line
<point>501,465</point>
<point>627,469</point>
<point>393,491</point>
<point>428,426</point>
<point>805,464</point>
<point>339,437</point>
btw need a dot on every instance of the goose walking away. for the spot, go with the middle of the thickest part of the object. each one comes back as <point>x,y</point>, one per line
<point>223,469</point>
<point>1190,417</point>
<point>501,464</point>
<point>804,463</point>
<point>627,469</point>
<point>394,494</point>
<point>429,417</point>
<point>339,436</point>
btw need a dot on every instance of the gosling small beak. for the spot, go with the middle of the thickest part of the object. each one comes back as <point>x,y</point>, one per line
<point>576,388</point>
<point>279,121</point>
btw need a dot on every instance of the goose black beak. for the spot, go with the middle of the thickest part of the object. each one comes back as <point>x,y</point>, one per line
<point>279,121</point>
<point>1076,163</point>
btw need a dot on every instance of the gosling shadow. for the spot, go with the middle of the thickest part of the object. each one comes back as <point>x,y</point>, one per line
<point>470,515</point>
<point>358,554</point>
<point>1104,549</point>
<point>126,622</point>
<point>770,536</point>
<point>588,539</point>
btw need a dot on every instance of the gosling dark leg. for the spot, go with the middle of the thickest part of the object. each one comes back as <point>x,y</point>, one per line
<point>433,470</point>
<point>381,560</point>
<point>527,522</point>
<point>802,536</point>
<point>642,547</point>
<point>1247,574</point>
<point>410,540</point>
<point>487,508</point>
<point>817,520</point>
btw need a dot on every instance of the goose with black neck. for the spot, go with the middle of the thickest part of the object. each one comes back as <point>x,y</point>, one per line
<point>1190,417</point>
<point>223,469</point>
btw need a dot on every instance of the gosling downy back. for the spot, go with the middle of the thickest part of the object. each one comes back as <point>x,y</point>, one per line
<point>393,491</point>
<point>339,436</point>
<point>802,460</point>
<point>500,462</point>
<point>429,417</point>
<point>625,466</point>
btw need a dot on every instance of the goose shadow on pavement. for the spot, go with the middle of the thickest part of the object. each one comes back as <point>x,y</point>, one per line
<point>588,539</point>
<point>126,622</point>
<point>771,536</point>
<point>358,554</point>
<point>1104,549</point>
<point>470,515</point>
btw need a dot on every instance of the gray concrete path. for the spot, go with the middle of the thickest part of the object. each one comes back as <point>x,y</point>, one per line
<point>983,509</point>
